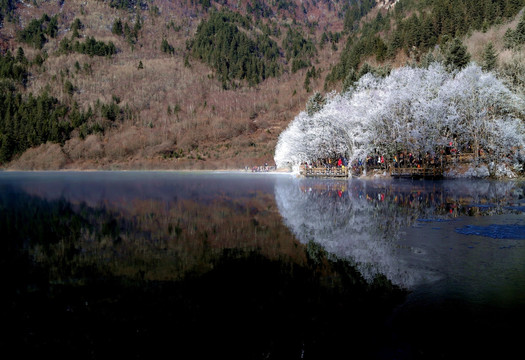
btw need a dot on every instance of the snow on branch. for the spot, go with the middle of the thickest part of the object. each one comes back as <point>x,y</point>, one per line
<point>414,109</point>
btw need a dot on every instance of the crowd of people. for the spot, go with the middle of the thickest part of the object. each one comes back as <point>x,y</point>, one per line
<point>378,161</point>
<point>402,160</point>
<point>327,163</point>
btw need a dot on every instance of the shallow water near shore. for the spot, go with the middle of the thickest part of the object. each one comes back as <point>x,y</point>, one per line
<point>252,266</point>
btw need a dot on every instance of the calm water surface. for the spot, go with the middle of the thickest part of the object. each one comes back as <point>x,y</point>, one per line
<point>252,266</point>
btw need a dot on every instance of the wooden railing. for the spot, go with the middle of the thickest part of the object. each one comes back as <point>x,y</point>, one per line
<point>427,172</point>
<point>459,159</point>
<point>324,172</point>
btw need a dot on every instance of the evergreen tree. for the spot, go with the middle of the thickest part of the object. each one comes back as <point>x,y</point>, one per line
<point>349,80</point>
<point>490,58</point>
<point>52,27</point>
<point>514,38</point>
<point>306,83</point>
<point>74,34</point>
<point>77,25</point>
<point>365,69</point>
<point>20,56</point>
<point>69,88</point>
<point>315,103</point>
<point>7,10</point>
<point>33,34</point>
<point>456,56</point>
<point>138,25</point>
<point>117,27</point>
<point>166,47</point>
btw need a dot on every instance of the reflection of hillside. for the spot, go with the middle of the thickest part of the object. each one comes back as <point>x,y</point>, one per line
<point>362,221</point>
<point>156,274</point>
<point>156,226</point>
<point>153,239</point>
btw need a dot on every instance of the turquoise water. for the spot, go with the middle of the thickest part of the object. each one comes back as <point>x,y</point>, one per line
<point>104,264</point>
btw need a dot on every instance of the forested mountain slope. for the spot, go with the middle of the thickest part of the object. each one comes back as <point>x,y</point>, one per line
<point>210,84</point>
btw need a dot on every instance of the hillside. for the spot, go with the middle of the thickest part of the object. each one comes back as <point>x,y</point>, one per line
<point>204,84</point>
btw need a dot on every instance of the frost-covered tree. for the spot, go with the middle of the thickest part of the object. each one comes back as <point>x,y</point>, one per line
<point>413,109</point>
<point>317,136</point>
<point>485,113</point>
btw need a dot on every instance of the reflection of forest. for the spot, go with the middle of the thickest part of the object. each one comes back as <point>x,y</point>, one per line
<point>151,239</point>
<point>159,232</point>
<point>167,275</point>
<point>443,198</point>
<point>362,221</point>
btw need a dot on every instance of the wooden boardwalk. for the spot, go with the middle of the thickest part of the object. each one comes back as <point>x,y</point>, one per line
<point>335,172</point>
<point>429,172</point>
<point>338,172</point>
<point>413,172</point>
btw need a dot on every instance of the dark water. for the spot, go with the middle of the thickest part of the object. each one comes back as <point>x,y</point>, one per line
<point>252,266</point>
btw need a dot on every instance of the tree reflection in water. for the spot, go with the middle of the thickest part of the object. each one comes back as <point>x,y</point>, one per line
<point>198,268</point>
<point>364,221</point>
<point>110,265</point>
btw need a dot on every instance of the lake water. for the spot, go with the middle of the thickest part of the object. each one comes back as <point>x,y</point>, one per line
<point>256,266</point>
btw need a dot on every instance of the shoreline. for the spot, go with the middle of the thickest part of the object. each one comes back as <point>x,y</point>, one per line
<point>241,171</point>
<point>79,170</point>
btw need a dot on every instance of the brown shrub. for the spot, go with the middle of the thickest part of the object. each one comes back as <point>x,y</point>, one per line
<point>90,148</point>
<point>47,156</point>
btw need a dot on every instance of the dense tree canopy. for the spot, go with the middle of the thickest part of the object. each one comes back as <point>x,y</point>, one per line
<point>431,23</point>
<point>31,121</point>
<point>231,52</point>
<point>7,8</point>
<point>128,4</point>
<point>35,32</point>
<point>90,46</point>
<point>28,120</point>
<point>414,109</point>
<point>515,38</point>
<point>298,49</point>
<point>13,67</point>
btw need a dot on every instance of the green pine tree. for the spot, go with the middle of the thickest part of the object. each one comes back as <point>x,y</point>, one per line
<point>490,58</point>
<point>117,28</point>
<point>456,56</point>
<point>20,56</point>
<point>315,103</point>
<point>349,80</point>
<point>365,69</point>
